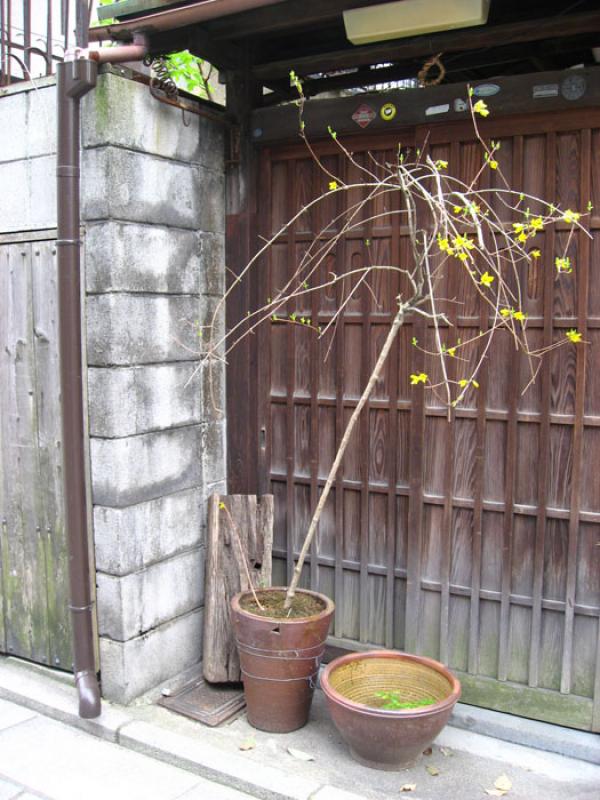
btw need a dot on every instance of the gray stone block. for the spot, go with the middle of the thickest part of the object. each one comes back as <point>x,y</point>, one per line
<point>125,401</point>
<point>134,604</point>
<point>28,196</point>
<point>212,264</point>
<point>139,468</point>
<point>214,445</point>
<point>130,257</point>
<point>127,329</point>
<point>28,124</point>
<point>131,668</point>
<point>123,112</point>
<point>137,187</point>
<point>129,539</point>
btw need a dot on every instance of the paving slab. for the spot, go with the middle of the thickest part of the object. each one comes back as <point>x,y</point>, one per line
<point>65,764</point>
<point>9,790</point>
<point>12,714</point>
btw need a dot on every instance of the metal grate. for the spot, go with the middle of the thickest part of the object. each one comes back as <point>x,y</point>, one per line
<point>34,35</point>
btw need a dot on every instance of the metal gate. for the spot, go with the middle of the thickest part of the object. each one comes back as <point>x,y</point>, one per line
<point>34,595</point>
<point>475,542</point>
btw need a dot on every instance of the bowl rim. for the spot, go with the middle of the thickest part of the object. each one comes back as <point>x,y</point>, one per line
<point>406,713</point>
<point>329,606</point>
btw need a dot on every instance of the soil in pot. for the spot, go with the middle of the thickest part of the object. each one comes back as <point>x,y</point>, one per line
<point>359,686</point>
<point>303,605</point>
<point>280,655</point>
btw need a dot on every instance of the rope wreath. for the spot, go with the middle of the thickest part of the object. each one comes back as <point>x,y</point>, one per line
<point>434,61</point>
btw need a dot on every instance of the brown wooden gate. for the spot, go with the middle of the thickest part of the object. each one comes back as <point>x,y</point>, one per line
<point>475,542</point>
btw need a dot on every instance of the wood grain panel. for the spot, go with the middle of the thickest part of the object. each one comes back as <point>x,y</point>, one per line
<point>475,542</point>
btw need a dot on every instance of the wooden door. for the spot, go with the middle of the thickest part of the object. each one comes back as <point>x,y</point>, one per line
<point>34,594</point>
<point>476,542</point>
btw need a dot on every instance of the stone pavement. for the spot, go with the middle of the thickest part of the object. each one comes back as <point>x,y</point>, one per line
<point>43,758</point>
<point>145,751</point>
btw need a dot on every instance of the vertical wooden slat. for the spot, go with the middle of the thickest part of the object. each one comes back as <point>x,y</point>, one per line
<point>27,35</point>
<point>291,377</point>
<point>263,339</point>
<point>446,537</point>
<point>510,472</point>
<point>479,472</point>
<point>363,427</point>
<point>596,700</point>
<point>48,38</point>
<point>339,345</point>
<point>52,523</point>
<point>583,271</point>
<point>314,406</point>
<point>390,583</point>
<point>543,474</point>
<point>415,502</point>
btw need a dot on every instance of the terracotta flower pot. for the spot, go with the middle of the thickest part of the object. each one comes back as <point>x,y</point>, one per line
<point>280,661</point>
<point>380,738</point>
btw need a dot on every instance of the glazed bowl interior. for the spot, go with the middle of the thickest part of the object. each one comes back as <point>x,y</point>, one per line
<point>360,681</point>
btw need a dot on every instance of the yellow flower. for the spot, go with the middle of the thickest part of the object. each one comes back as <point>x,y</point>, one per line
<point>493,163</point>
<point>535,254</point>
<point>520,316</point>
<point>333,186</point>
<point>522,237</point>
<point>573,335</point>
<point>506,312</point>
<point>463,256</point>
<point>457,209</point>
<point>463,382</point>
<point>571,216</point>
<point>221,506</point>
<point>451,351</point>
<point>563,264</point>
<point>486,279</point>
<point>443,244</point>
<point>481,108</point>
<point>537,224</point>
<point>475,384</point>
<point>518,227</point>
<point>420,378</point>
<point>441,164</point>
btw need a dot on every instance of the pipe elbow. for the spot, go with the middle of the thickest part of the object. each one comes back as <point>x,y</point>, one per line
<point>90,705</point>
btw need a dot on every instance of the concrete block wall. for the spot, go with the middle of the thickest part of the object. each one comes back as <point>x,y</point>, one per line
<point>153,219</point>
<point>153,205</point>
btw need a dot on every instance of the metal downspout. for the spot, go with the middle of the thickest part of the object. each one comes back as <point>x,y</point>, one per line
<point>74,79</point>
<point>76,76</point>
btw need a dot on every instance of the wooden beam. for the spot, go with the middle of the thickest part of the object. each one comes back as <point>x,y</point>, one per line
<point>197,41</point>
<point>426,106</point>
<point>446,42</point>
<point>282,17</point>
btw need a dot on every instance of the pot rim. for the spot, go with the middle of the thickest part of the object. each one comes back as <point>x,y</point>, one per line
<point>411,713</point>
<point>329,606</point>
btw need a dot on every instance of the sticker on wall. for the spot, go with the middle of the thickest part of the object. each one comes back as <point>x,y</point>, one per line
<point>486,90</point>
<point>573,87</point>
<point>387,112</point>
<point>364,115</point>
<point>442,109</point>
<point>545,90</point>
<point>460,104</point>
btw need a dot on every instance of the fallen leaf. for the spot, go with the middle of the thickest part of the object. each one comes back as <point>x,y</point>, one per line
<point>408,787</point>
<point>300,754</point>
<point>495,792</point>
<point>428,751</point>
<point>432,770</point>
<point>248,744</point>
<point>503,783</point>
<point>445,751</point>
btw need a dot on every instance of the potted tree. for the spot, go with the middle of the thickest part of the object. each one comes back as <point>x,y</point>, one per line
<point>452,225</point>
